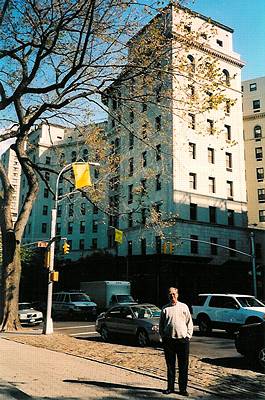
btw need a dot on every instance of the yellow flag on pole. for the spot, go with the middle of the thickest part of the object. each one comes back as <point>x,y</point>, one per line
<point>118,236</point>
<point>82,175</point>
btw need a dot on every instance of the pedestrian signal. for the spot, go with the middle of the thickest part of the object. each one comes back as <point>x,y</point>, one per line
<point>66,248</point>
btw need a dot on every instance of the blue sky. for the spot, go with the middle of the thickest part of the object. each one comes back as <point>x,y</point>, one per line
<point>247,18</point>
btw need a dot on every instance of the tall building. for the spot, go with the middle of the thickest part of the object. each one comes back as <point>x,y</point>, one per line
<point>52,147</point>
<point>254,128</point>
<point>181,177</point>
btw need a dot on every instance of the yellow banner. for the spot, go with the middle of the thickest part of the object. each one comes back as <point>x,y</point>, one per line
<point>82,175</point>
<point>118,236</point>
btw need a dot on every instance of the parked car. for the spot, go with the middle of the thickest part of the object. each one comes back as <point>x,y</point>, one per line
<point>226,311</point>
<point>73,304</point>
<point>140,322</point>
<point>250,342</point>
<point>28,315</point>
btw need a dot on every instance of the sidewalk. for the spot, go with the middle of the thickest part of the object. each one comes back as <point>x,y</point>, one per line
<point>88,372</point>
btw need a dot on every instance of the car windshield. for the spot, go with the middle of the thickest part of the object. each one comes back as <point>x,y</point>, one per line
<point>24,306</point>
<point>124,298</point>
<point>249,302</point>
<point>79,297</point>
<point>146,311</point>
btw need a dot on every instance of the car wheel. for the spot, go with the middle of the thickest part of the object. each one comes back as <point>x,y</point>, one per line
<point>204,324</point>
<point>104,333</point>
<point>261,359</point>
<point>142,338</point>
<point>253,320</point>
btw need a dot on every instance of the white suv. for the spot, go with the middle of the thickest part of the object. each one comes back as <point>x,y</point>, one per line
<point>226,311</point>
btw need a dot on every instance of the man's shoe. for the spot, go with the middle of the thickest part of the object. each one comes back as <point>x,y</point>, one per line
<point>184,393</point>
<point>168,391</point>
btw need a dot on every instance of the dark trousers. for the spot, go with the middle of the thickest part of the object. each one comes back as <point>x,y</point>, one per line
<point>179,348</point>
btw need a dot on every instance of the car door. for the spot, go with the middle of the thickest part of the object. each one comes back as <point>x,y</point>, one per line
<point>113,320</point>
<point>127,323</point>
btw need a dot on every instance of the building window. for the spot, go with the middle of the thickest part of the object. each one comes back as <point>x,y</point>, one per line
<point>131,117</point>
<point>158,244</point>
<point>71,210</point>
<point>211,181</point>
<point>143,186</point>
<point>70,228</point>
<point>131,140</point>
<point>191,65</point>
<point>262,215</point>
<point>158,182</point>
<point>81,244</point>
<point>192,180</point>
<point>219,42</point>
<point>131,166</point>
<point>44,227</point>
<point>94,244</point>
<point>231,217</point>
<point>85,155</point>
<point>258,153</point>
<point>59,211</point>
<point>232,244</point>
<point>73,156</point>
<point>46,193</point>
<point>158,123</point>
<point>45,210</point>
<point>144,107</point>
<point>192,121</point>
<point>194,248</point>
<point>130,194</point>
<point>210,126</point>
<point>228,161</point>
<point>210,155</point>
<point>96,173</point>
<point>58,228</point>
<point>158,152</point>
<point>257,132</point>
<point>229,185</point>
<point>192,150</point>
<point>48,160</point>
<point>193,211</point>
<point>60,192</point>
<point>252,87</point>
<point>214,249</point>
<point>94,226</point>
<point>228,132</point>
<point>226,77</point>
<point>261,195</point>
<point>82,227</point>
<point>95,209</point>
<point>256,104</point>
<point>143,247</point>
<point>83,208</point>
<point>144,131</point>
<point>212,214</point>
<point>143,215</point>
<point>227,107</point>
<point>260,174</point>
<point>144,159</point>
<point>47,176</point>
<point>130,220</point>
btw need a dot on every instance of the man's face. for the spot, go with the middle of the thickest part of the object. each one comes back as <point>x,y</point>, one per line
<point>173,296</point>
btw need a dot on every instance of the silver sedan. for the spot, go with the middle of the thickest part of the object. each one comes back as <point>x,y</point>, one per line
<point>140,321</point>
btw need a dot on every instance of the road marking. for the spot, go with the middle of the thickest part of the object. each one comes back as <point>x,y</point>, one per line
<point>82,333</point>
<point>74,327</point>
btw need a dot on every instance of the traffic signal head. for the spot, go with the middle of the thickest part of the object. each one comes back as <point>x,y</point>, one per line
<point>66,248</point>
<point>171,247</point>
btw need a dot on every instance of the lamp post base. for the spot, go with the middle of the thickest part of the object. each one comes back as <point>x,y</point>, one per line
<point>48,327</point>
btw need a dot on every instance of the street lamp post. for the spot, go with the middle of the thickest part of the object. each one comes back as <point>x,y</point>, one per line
<point>48,326</point>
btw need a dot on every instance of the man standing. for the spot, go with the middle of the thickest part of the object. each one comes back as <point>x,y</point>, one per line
<point>176,328</point>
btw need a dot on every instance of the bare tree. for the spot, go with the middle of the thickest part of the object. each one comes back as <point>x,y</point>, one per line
<point>56,59</point>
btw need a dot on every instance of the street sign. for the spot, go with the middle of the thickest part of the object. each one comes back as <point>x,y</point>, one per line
<point>42,244</point>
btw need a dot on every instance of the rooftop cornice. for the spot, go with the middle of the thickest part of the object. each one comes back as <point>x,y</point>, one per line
<point>254,116</point>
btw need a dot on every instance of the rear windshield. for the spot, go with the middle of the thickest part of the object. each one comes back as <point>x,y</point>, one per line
<point>249,302</point>
<point>79,297</point>
<point>146,311</point>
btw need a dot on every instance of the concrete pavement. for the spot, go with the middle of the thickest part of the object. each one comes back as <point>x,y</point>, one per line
<point>29,372</point>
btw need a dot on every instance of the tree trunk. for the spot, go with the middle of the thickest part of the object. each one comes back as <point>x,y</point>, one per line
<point>10,282</point>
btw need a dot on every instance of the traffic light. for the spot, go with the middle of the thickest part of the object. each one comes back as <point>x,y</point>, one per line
<point>164,248</point>
<point>66,248</point>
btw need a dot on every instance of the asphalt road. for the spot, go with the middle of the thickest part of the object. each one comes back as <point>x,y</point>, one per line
<point>217,345</point>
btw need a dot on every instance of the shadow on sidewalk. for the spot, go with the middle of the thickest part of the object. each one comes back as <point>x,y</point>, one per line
<point>230,362</point>
<point>110,385</point>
